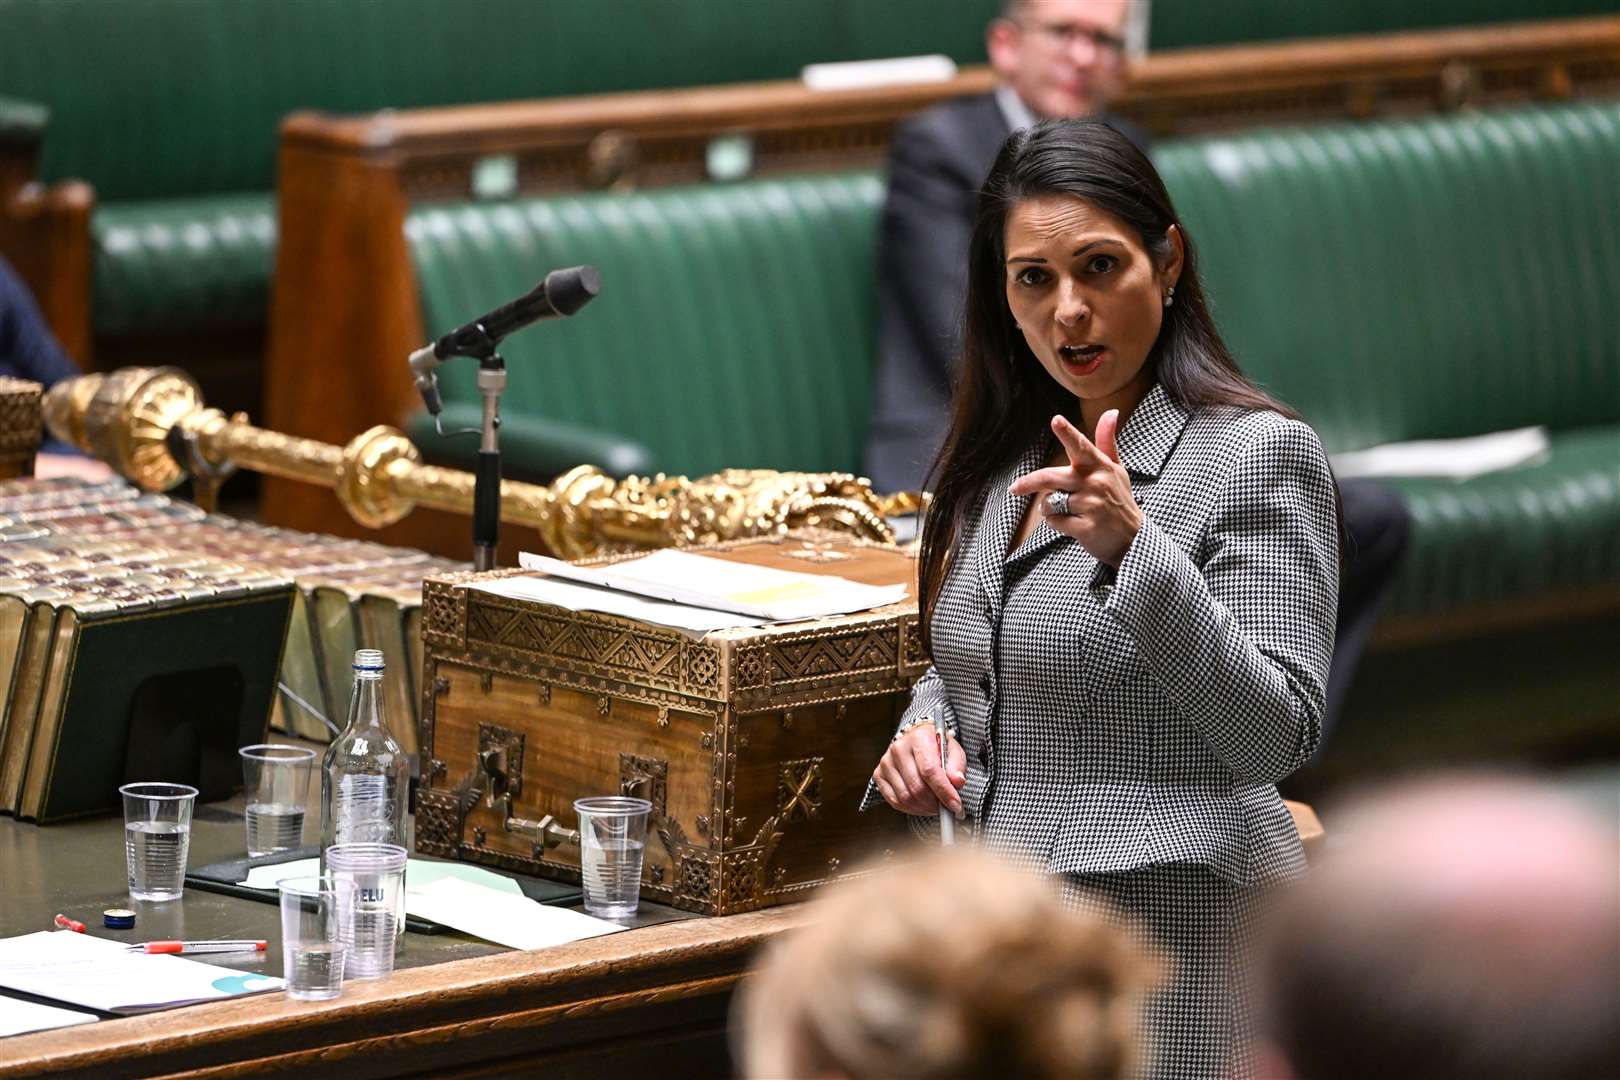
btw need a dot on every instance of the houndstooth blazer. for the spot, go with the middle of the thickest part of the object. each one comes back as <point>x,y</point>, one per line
<point>1119,720</point>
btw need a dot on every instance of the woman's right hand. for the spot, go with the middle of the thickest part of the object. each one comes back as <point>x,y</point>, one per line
<point>911,779</point>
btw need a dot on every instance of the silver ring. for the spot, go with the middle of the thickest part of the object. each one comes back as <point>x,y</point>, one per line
<point>1057,503</point>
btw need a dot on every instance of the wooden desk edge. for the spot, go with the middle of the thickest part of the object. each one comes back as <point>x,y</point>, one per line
<point>670,960</point>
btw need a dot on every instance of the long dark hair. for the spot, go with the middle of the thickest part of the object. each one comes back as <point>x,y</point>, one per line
<point>1004,396</point>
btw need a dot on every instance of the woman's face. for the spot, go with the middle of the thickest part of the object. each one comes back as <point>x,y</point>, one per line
<point>1088,298</point>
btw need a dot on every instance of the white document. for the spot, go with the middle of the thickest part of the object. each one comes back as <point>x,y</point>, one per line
<point>1456,459</point>
<point>694,622</point>
<point>20,1017</point>
<point>100,974</point>
<point>761,591</point>
<point>418,873</point>
<point>891,71</point>
<point>514,921</point>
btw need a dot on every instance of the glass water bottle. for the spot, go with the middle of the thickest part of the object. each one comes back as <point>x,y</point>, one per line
<point>366,778</point>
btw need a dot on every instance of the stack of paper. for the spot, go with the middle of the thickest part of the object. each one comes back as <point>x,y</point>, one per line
<point>1456,459</point>
<point>100,974</point>
<point>700,581</point>
<point>471,899</point>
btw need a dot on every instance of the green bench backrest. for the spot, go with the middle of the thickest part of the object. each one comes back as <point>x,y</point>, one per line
<point>735,325</point>
<point>1425,279</point>
<point>157,98</point>
<point>1399,280</point>
<point>160,98</point>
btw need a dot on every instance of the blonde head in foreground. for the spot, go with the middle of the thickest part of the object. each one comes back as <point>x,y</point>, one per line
<point>955,965</point>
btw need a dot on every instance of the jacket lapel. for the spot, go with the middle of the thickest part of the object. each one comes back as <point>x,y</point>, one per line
<point>1003,513</point>
<point>1145,443</point>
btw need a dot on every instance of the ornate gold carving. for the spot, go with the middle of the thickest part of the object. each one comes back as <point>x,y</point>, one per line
<point>21,423</point>
<point>743,870</point>
<point>126,419</point>
<point>545,694</point>
<point>818,552</point>
<point>604,704</point>
<point>752,668</point>
<point>509,745</point>
<point>663,716</point>
<point>798,790</point>
<point>702,669</point>
<point>439,822</point>
<point>486,682</point>
<point>646,778</point>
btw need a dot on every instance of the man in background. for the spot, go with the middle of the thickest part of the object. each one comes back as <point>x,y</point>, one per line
<point>1459,929</point>
<point>1053,59</point>
<point>28,350</point>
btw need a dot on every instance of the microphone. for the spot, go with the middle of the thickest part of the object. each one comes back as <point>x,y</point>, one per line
<point>563,292</point>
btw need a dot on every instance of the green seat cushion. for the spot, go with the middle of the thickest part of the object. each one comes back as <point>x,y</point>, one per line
<point>1432,278</point>
<point>735,327</point>
<point>1549,526</point>
<point>183,264</point>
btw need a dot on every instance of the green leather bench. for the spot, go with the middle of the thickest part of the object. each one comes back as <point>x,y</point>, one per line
<point>177,127</point>
<point>1399,280</point>
<point>176,130</point>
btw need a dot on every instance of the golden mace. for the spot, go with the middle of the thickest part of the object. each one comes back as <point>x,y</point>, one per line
<point>151,425</point>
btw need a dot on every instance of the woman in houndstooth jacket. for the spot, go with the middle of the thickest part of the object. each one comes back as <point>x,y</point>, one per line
<point>1129,577</point>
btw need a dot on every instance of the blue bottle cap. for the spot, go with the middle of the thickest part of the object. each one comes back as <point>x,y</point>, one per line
<point>118,919</point>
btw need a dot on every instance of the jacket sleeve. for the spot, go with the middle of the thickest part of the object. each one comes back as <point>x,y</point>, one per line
<point>923,246</point>
<point>928,695</point>
<point>1242,644</point>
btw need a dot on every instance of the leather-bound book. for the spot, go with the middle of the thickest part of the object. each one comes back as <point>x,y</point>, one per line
<point>162,681</point>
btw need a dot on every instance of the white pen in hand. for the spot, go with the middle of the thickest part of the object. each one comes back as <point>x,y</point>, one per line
<point>947,821</point>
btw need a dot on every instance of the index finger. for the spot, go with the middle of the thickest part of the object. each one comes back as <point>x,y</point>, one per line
<point>1082,452</point>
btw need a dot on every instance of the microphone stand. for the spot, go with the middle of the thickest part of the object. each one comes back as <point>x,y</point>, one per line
<point>486,522</point>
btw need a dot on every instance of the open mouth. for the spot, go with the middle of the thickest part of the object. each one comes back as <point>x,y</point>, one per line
<point>1082,359</point>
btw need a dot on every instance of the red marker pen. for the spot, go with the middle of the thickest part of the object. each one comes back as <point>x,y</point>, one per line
<point>170,947</point>
<point>69,924</point>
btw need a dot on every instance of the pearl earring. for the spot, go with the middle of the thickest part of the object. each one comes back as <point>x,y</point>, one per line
<point>1170,296</point>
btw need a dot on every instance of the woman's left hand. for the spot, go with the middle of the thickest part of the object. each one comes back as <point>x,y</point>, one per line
<point>1102,514</point>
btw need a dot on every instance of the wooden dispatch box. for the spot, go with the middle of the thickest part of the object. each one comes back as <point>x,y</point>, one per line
<point>754,745</point>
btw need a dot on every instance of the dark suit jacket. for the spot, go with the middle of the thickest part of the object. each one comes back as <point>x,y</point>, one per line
<point>937,162</point>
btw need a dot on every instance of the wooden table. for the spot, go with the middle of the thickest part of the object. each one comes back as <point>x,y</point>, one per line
<point>647,1001</point>
<point>652,1000</point>
<point>654,997</point>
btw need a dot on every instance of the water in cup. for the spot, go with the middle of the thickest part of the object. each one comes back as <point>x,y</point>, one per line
<point>157,837</point>
<point>314,955</point>
<point>315,972</point>
<point>612,838</point>
<point>156,852</point>
<point>273,827</point>
<point>612,870</point>
<point>275,784</point>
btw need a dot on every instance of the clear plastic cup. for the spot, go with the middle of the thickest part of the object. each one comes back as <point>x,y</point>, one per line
<point>275,786</point>
<point>157,838</point>
<point>314,911</point>
<point>612,838</point>
<point>377,872</point>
